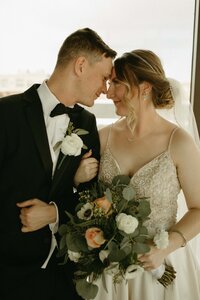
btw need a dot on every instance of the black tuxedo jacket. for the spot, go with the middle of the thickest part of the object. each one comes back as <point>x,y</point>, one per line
<point>26,173</point>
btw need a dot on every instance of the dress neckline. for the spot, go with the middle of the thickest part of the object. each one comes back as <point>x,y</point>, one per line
<point>165,152</point>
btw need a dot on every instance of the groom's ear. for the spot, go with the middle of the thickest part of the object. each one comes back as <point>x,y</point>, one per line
<point>79,65</point>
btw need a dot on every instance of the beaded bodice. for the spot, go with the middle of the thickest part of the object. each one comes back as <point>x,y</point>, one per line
<point>157,180</point>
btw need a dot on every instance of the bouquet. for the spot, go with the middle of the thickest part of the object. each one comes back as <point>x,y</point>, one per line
<point>107,234</point>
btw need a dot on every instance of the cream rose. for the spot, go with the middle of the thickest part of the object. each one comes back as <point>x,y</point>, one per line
<point>71,145</point>
<point>94,237</point>
<point>126,223</point>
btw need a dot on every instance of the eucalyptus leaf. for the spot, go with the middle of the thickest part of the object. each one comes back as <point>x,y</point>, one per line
<point>108,195</point>
<point>135,233</point>
<point>76,244</point>
<point>86,289</point>
<point>61,252</point>
<point>128,193</point>
<point>63,229</point>
<point>84,147</point>
<point>117,255</point>
<point>80,131</point>
<point>143,230</point>
<point>144,208</point>
<point>141,248</point>
<point>127,249</point>
<point>140,239</point>
<point>62,243</point>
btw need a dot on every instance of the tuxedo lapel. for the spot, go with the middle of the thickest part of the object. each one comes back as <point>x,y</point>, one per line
<point>35,118</point>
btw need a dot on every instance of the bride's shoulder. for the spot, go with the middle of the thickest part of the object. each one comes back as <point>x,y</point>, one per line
<point>181,137</point>
<point>104,131</point>
<point>182,144</point>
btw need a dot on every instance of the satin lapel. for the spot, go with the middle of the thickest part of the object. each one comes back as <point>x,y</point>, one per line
<point>35,118</point>
<point>62,173</point>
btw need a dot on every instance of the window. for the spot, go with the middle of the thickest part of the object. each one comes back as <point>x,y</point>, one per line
<point>166,27</point>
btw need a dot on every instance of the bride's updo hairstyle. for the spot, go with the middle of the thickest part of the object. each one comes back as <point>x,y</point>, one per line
<point>134,67</point>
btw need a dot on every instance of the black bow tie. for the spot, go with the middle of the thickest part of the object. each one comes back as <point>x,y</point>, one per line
<point>61,109</point>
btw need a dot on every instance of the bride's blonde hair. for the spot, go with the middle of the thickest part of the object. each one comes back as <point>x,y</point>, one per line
<point>134,67</point>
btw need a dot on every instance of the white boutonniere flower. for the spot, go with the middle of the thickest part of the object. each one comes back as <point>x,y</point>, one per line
<point>72,144</point>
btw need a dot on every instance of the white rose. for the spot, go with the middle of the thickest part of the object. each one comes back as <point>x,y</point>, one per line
<point>71,145</point>
<point>85,213</point>
<point>126,223</point>
<point>132,271</point>
<point>161,239</point>
<point>74,256</point>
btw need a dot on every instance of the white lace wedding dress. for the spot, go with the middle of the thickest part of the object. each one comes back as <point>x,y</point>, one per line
<point>158,180</point>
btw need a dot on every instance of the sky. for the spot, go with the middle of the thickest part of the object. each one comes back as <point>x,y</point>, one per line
<point>32,31</point>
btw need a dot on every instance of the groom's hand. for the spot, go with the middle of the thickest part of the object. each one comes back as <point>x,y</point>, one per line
<point>35,214</point>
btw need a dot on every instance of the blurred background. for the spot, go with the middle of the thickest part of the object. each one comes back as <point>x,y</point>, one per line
<point>32,32</point>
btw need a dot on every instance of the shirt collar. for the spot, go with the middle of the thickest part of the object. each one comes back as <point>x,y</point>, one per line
<point>48,100</point>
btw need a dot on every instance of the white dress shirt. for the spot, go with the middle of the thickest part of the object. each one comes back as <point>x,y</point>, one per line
<point>56,128</point>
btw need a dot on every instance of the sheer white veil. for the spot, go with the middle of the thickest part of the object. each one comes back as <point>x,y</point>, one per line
<point>182,114</point>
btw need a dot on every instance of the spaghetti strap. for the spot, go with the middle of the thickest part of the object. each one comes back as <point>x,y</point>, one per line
<point>108,137</point>
<point>171,136</point>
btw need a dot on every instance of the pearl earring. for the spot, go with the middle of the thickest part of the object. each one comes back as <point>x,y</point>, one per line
<point>145,96</point>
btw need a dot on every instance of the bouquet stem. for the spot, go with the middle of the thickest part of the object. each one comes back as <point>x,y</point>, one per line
<point>168,276</point>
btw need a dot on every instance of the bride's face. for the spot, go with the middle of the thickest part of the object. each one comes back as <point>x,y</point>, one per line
<point>117,91</point>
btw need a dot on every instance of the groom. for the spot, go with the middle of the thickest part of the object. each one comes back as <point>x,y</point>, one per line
<point>36,178</point>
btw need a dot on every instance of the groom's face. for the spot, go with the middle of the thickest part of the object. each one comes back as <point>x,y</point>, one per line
<point>94,80</point>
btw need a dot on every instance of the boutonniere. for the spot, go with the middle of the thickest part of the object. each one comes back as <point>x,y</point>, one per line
<point>72,143</point>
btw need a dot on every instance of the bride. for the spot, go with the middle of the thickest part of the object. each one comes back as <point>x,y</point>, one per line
<point>161,159</point>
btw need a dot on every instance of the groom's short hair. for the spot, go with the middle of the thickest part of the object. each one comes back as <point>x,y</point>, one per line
<point>84,42</point>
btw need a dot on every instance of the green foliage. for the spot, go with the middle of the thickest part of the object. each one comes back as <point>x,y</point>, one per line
<point>122,248</point>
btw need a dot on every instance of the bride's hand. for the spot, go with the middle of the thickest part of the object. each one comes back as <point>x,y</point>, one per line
<point>87,169</point>
<point>152,259</point>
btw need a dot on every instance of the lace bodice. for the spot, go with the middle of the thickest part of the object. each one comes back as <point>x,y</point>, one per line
<point>157,180</point>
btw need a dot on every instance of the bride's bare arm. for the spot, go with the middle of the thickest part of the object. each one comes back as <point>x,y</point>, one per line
<point>186,157</point>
